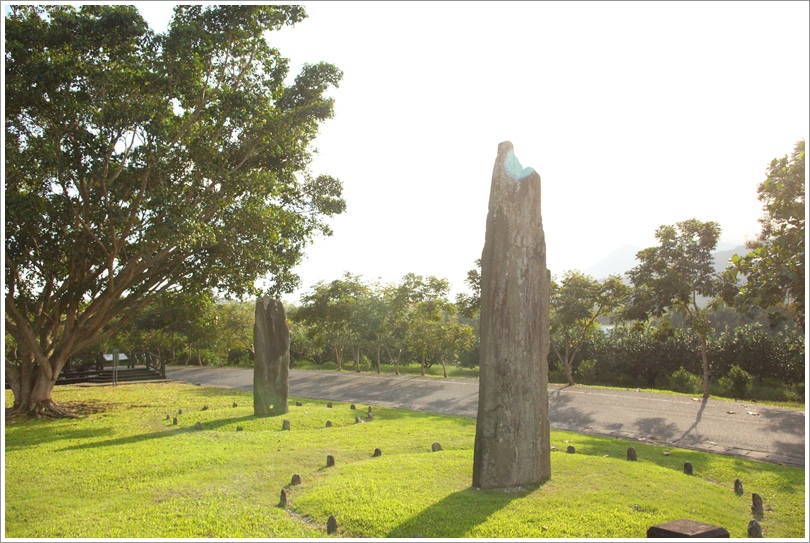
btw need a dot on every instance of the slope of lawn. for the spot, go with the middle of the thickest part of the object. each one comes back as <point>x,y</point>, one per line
<point>124,470</point>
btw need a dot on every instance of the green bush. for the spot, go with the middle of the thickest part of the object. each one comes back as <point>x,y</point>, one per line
<point>586,372</point>
<point>738,383</point>
<point>683,381</point>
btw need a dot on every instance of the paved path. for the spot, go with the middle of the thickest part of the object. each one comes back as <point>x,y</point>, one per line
<point>743,429</point>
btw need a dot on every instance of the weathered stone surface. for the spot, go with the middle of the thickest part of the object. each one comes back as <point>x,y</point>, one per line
<point>235,404</point>
<point>631,454</point>
<point>239,429</point>
<point>352,407</point>
<point>282,502</point>
<point>179,411</point>
<point>754,529</point>
<point>271,368</point>
<point>298,404</point>
<point>329,424</point>
<point>331,525</point>
<point>198,426</point>
<point>370,416</point>
<point>296,479</point>
<point>756,504</point>
<point>329,405</point>
<point>436,447</point>
<point>377,452</point>
<point>687,468</point>
<point>512,446</point>
<point>738,488</point>
<point>174,421</point>
<point>204,408</point>
<point>285,424</point>
<point>686,528</point>
<point>330,461</point>
<point>571,449</point>
<point>168,417</point>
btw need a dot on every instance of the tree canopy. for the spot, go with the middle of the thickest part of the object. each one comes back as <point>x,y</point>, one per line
<point>139,163</point>
<point>774,269</point>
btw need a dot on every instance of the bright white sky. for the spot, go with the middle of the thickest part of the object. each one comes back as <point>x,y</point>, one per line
<point>635,114</point>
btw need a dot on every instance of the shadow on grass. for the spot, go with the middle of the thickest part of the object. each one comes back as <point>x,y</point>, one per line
<point>128,440</point>
<point>21,437</point>
<point>458,513</point>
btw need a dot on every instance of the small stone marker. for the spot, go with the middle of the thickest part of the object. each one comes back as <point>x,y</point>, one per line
<point>179,411</point>
<point>358,420</point>
<point>198,426</point>
<point>756,506</point>
<point>369,409</point>
<point>329,405</point>
<point>571,449</point>
<point>687,468</point>
<point>631,454</point>
<point>239,428</point>
<point>235,404</point>
<point>683,528</point>
<point>331,525</point>
<point>330,461</point>
<point>205,408</point>
<point>754,529</point>
<point>298,404</point>
<point>285,425</point>
<point>282,502</point>
<point>436,447</point>
<point>296,479</point>
<point>352,407</point>
<point>377,452</point>
<point>738,488</point>
<point>167,417</point>
<point>174,421</point>
<point>329,424</point>
<point>370,416</point>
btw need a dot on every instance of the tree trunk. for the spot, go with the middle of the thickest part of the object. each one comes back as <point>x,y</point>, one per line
<point>377,359</point>
<point>338,357</point>
<point>705,366</point>
<point>568,364</point>
<point>32,389</point>
<point>422,362</point>
<point>271,369</point>
<point>444,368</point>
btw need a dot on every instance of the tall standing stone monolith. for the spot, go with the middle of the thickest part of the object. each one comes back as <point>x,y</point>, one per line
<point>512,444</point>
<point>271,365</point>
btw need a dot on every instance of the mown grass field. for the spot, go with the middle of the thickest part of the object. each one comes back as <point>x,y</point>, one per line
<point>123,470</point>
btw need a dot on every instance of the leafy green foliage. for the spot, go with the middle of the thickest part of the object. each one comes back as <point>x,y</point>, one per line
<point>773,272</point>
<point>141,163</point>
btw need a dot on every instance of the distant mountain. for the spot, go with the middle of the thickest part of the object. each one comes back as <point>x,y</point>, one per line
<point>623,259</point>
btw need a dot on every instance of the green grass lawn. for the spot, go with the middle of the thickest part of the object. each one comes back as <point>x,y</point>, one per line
<point>122,470</point>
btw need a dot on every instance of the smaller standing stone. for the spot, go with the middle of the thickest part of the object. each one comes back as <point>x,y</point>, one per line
<point>738,488</point>
<point>687,468</point>
<point>282,502</point>
<point>352,407</point>
<point>370,416</point>
<point>754,529</point>
<point>369,409</point>
<point>756,506</point>
<point>198,426</point>
<point>571,449</point>
<point>358,420</point>
<point>436,447</point>
<point>239,428</point>
<point>235,404</point>
<point>205,408</point>
<point>174,421</point>
<point>298,404</point>
<point>296,479</point>
<point>631,454</point>
<point>329,405</point>
<point>167,417</point>
<point>329,424</point>
<point>330,461</point>
<point>285,425</point>
<point>331,525</point>
<point>179,411</point>
<point>377,452</point>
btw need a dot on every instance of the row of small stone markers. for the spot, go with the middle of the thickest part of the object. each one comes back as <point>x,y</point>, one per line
<point>690,528</point>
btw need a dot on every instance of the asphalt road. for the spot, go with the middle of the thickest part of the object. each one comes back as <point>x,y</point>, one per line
<point>738,428</point>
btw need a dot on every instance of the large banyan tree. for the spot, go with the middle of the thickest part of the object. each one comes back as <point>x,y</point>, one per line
<point>139,164</point>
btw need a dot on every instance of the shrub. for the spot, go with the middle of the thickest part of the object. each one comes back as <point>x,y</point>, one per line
<point>586,372</point>
<point>738,383</point>
<point>683,381</point>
